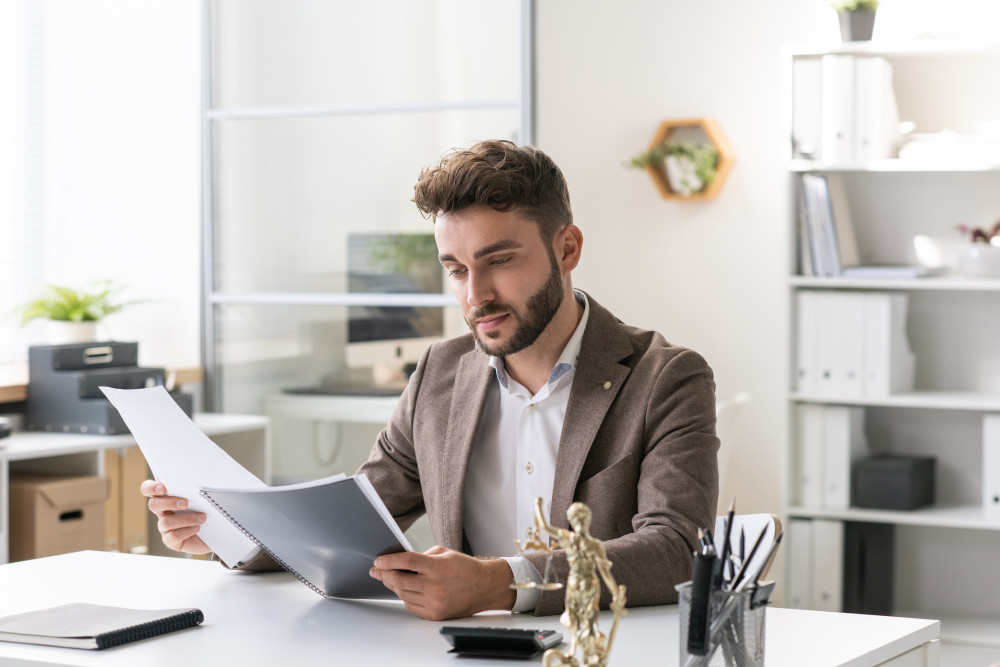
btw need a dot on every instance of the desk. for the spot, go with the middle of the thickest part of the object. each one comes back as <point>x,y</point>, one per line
<point>272,619</point>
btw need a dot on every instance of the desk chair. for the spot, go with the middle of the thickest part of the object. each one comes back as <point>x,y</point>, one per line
<point>751,524</point>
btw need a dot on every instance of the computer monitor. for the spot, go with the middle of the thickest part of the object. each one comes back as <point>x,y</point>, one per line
<point>388,338</point>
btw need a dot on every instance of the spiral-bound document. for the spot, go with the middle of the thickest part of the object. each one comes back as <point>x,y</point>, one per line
<point>93,626</point>
<point>326,532</point>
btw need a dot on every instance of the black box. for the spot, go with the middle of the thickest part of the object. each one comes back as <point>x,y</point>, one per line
<point>91,415</point>
<point>893,482</point>
<point>77,356</point>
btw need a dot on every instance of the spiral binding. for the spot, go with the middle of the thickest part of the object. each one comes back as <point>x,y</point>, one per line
<point>162,626</point>
<point>260,544</point>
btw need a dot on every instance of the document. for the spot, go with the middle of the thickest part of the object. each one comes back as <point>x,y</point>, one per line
<point>185,460</point>
<point>326,532</point>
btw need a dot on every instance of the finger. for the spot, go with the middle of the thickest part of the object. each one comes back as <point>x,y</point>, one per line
<point>404,560</point>
<point>184,540</point>
<point>160,505</point>
<point>170,522</point>
<point>151,488</point>
<point>435,550</point>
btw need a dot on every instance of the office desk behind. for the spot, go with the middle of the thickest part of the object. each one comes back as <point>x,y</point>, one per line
<point>272,619</point>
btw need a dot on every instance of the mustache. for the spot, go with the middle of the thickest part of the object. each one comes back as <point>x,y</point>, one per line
<point>488,310</point>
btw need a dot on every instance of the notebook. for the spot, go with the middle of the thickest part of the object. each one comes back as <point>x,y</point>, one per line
<point>326,532</point>
<point>93,626</point>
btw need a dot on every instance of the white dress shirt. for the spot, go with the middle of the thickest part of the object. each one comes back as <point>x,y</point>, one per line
<point>513,462</point>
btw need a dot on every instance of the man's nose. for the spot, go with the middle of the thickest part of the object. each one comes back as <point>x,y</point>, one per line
<point>479,289</point>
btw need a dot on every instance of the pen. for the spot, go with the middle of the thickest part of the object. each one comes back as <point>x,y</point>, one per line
<point>746,563</point>
<point>701,591</point>
<point>770,557</point>
<point>724,557</point>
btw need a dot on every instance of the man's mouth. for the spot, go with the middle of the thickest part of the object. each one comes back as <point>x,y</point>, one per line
<point>490,322</point>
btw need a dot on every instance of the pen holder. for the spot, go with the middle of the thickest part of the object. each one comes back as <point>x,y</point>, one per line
<point>736,626</point>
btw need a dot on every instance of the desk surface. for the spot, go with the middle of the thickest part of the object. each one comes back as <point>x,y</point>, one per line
<point>272,619</point>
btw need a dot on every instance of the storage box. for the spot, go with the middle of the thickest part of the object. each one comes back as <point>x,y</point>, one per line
<point>893,482</point>
<point>55,514</point>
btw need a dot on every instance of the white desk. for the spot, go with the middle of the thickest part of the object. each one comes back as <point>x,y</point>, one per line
<point>272,619</point>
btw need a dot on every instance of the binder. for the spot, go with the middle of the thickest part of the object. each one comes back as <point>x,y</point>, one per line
<point>844,444</point>
<point>800,573</point>
<point>840,209</point>
<point>807,99</point>
<point>837,140</point>
<point>889,362</point>
<point>991,466</point>
<point>876,113</point>
<point>827,565</point>
<point>868,570</point>
<point>807,352</point>
<point>840,344</point>
<point>92,626</point>
<point>326,532</point>
<point>810,455</point>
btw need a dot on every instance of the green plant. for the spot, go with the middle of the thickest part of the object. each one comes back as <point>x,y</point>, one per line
<point>704,155</point>
<point>855,5</point>
<point>65,304</point>
<point>980,235</point>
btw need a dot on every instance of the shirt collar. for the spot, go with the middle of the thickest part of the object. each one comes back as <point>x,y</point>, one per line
<point>567,360</point>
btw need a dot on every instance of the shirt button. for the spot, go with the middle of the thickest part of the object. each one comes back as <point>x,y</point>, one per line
<point>530,533</point>
<point>533,406</point>
<point>528,468</point>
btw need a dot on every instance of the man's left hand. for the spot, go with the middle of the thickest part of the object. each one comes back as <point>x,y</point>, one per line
<point>440,583</point>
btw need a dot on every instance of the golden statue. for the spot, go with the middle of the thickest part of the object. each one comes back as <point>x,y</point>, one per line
<point>587,560</point>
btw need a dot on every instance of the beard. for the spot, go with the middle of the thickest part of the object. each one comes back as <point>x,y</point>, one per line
<point>540,308</point>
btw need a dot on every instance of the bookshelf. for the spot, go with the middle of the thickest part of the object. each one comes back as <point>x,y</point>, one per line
<point>940,552</point>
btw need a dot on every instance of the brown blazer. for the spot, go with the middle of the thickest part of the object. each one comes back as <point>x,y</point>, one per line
<point>638,446</point>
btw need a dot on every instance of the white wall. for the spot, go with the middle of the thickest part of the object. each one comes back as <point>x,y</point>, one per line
<point>708,275</point>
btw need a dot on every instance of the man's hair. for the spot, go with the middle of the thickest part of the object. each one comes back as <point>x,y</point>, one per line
<point>501,175</point>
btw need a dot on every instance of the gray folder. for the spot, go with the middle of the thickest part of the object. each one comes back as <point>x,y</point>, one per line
<point>327,533</point>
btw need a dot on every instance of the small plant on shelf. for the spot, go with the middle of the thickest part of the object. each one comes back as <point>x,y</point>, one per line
<point>855,5</point>
<point>64,304</point>
<point>980,235</point>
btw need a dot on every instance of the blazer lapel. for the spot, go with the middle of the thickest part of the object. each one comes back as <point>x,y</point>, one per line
<point>472,383</point>
<point>599,378</point>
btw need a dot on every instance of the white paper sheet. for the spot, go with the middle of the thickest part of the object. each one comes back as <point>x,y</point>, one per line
<point>185,460</point>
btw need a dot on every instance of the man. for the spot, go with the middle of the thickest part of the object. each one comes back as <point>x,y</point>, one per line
<point>549,396</point>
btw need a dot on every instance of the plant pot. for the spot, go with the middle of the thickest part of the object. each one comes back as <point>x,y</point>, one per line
<point>682,175</point>
<point>979,260</point>
<point>63,333</point>
<point>856,26</point>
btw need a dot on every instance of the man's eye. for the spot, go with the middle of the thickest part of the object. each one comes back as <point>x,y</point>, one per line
<point>456,273</point>
<point>501,260</point>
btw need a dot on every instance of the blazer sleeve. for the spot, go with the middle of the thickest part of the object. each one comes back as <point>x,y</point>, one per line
<point>677,490</point>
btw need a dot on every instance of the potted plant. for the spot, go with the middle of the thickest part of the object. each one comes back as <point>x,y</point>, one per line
<point>690,166</point>
<point>73,315</point>
<point>981,258</point>
<point>857,19</point>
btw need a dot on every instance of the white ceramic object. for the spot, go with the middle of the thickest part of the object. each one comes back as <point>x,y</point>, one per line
<point>63,333</point>
<point>979,260</point>
<point>682,175</point>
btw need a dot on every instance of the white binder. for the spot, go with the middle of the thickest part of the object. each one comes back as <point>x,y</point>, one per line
<point>807,336</point>
<point>889,362</point>
<point>837,140</point>
<point>991,466</point>
<point>876,125</point>
<point>810,455</point>
<point>800,574</point>
<point>827,565</point>
<point>844,444</point>
<point>841,344</point>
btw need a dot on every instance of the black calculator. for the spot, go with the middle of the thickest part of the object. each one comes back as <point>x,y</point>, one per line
<point>513,643</point>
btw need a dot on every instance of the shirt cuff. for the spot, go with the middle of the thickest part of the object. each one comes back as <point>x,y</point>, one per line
<point>524,572</point>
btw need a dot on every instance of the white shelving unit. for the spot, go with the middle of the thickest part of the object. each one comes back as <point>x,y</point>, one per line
<point>945,554</point>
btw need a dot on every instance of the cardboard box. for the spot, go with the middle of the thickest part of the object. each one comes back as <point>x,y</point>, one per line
<point>55,514</point>
<point>126,516</point>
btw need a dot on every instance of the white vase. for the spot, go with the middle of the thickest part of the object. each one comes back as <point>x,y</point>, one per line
<point>63,333</point>
<point>979,260</point>
<point>683,175</point>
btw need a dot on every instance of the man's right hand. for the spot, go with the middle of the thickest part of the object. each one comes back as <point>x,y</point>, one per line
<point>179,531</point>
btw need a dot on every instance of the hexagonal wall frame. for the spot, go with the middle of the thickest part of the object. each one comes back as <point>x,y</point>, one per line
<point>658,172</point>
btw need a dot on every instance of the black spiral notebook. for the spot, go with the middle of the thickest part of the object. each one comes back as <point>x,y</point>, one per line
<point>94,626</point>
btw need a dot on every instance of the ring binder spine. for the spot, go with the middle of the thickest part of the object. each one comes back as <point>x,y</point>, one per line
<point>260,544</point>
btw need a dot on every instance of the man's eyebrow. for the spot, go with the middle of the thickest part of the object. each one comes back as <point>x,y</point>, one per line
<point>499,246</point>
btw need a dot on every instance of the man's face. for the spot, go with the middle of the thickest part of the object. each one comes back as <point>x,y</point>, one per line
<point>506,278</point>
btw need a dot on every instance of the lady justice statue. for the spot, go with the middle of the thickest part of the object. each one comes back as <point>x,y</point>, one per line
<point>587,560</point>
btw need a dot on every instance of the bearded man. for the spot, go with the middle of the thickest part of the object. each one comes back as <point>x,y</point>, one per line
<point>549,396</point>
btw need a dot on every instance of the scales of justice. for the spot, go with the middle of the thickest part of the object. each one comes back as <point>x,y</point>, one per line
<point>587,561</point>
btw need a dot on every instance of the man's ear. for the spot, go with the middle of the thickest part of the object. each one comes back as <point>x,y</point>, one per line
<point>568,246</point>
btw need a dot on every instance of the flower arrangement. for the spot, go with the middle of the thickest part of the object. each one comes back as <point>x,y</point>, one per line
<point>855,5</point>
<point>979,235</point>
<point>64,304</point>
